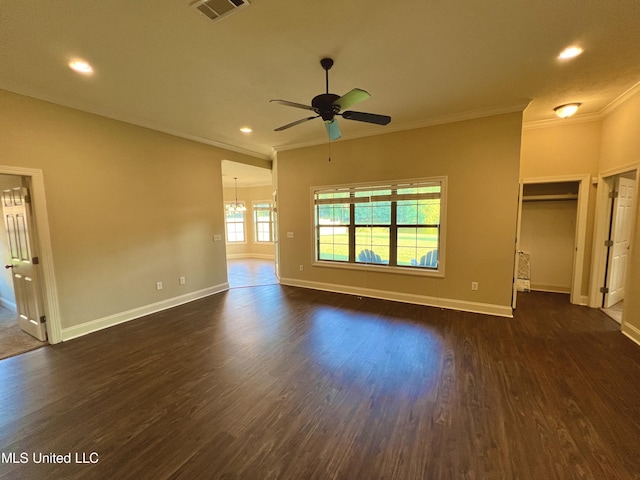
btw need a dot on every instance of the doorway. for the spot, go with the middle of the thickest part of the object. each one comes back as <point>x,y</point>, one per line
<point>20,299</point>
<point>250,224</point>
<point>551,234</point>
<point>50,307</point>
<point>617,206</point>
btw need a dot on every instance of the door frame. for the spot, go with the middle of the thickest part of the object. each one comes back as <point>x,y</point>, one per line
<point>584,182</point>
<point>601,229</point>
<point>43,236</point>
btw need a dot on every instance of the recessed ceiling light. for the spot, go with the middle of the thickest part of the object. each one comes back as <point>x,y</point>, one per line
<point>570,52</point>
<point>81,66</point>
<point>246,130</point>
<point>565,111</point>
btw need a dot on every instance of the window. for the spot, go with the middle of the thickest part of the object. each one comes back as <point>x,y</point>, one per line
<point>398,225</point>
<point>235,225</point>
<point>263,222</point>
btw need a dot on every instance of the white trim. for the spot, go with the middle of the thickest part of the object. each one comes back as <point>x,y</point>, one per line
<point>580,237</point>
<point>560,122</point>
<point>625,98</point>
<point>622,100</point>
<point>443,180</point>
<point>8,304</point>
<point>41,219</point>
<point>551,289</point>
<point>267,256</point>
<point>439,120</point>
<point>140,123</point>
<point>111,320</point>
<point>448,303</point>
<point>631,332</point>
<point>601,230</point>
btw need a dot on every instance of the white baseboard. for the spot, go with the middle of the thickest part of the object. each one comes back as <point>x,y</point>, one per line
<point>550,288</point>
<point>106,322</point>
<point>632,332</point>
<point>8,304</point>
<point>452,304</point>
<point>267,256</point>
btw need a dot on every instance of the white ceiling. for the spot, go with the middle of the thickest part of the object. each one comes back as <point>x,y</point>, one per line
<point>160,64</point>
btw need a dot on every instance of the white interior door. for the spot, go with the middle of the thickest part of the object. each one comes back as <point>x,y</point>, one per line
<point>17,217</point>
<point>623,206</point>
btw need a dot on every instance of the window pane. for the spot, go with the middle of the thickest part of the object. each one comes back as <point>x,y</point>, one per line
<point>235,232</point>
<point>375,213</point>
<point>335,214</point>
<point>418,247</point>
<point>333,243</point>
<point>372,245</point>
<point>413,230</point>
<point>429,211</point>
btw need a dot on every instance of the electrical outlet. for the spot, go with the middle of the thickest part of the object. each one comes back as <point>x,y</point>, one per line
<point>159,285</point>
<point>183,280</point>
<point>217,237</point>
<point>474,285</point>
<point>301,268</point>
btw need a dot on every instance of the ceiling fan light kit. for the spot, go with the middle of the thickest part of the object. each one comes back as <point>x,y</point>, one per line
<point>328,105</point>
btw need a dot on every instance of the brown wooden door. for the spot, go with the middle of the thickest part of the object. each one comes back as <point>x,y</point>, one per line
<point>17,218</point>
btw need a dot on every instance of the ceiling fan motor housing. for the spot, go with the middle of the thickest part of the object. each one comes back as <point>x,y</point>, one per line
<point>324,105</point>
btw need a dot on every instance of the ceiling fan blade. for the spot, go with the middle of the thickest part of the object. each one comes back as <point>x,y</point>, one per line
<point>294,104</point>
<point>333,129</point>
<point>356,95</point>
<point>293,124</point>
<point>367,117</point>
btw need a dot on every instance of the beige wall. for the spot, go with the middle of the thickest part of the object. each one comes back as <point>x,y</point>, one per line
<point>621,148</point>
<point>620,138</point>
<point>127,206</point>
<point>570,149</point>
<point>248,195</point>
<point>548,231</point>
<point>481,159</point>
<point>559,150</point>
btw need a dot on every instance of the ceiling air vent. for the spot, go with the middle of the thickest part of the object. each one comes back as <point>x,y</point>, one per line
<point>217,9</point>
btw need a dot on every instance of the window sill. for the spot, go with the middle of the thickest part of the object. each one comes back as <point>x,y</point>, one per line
<point>438,273</point>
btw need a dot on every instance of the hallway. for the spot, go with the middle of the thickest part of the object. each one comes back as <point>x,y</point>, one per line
<point>251,272</point>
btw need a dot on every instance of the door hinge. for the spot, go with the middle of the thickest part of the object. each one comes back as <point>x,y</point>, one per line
<point>43,319</point>
<point>608,243</point>
<point>35,260</point>
<point>613,194</point>
<point>604,289</point>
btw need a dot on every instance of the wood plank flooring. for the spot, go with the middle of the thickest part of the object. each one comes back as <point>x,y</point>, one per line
<point>276,382</point>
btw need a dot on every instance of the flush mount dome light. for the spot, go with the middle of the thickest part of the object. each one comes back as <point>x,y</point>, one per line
<point>246,130</point>
<point>81,66</point>
<point>565,111</point>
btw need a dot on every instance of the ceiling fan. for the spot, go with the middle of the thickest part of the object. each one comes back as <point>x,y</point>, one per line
<point>328,105</point>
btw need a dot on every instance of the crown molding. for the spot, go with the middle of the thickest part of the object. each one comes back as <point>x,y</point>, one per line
<point>622,100</point>
<point>619,102</point>
<point>147,125</point>
<point>560,122</point>
<point>433,121</point>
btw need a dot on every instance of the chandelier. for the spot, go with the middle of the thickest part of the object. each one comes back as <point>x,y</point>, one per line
<point>236,206</point>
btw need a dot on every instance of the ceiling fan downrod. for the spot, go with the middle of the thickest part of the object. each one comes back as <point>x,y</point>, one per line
<point>326,63</point>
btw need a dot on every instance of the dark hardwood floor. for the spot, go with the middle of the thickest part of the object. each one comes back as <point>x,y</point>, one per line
<point>278,382</point>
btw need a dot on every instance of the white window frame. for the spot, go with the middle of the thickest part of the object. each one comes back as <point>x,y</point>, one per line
<point>226,226</point>
<point>270,223</point>
<point>438,271</point>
